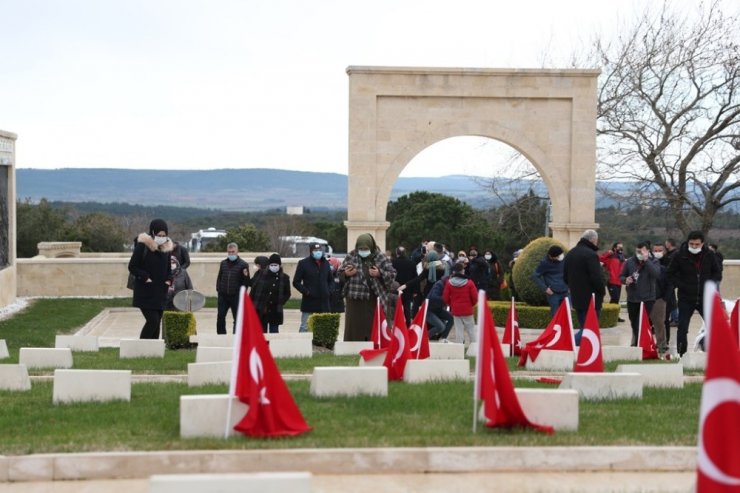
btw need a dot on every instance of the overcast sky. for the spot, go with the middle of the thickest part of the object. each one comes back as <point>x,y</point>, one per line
<point>184,84</point>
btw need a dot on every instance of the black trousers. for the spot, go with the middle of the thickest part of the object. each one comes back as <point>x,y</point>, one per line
<point>151,327</point>
<point>685,311</point>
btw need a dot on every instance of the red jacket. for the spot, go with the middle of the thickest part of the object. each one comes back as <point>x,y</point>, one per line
<point>613,265</point>
<point>461,295</point>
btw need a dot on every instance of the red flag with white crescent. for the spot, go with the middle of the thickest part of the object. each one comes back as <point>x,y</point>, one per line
<point>380,334</point>
<point>718,450</point>
<point>272,410</point>
<point>418,335</point>
<point>399,348</point>
<point>511,332</point>
<point>735,323</point>
<point>557,336</point>
<point>493,384</point>
<point>590,358</point>
<point>645,336</point>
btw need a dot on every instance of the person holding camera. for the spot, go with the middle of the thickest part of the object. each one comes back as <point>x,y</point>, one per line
<point>640,274</point>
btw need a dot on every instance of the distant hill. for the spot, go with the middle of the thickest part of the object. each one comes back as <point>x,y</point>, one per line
<point>232,189</point>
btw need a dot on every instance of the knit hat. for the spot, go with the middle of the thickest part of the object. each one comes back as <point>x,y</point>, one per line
<point>554,251</point>
<point>275,259</point>
<point>156,226</point>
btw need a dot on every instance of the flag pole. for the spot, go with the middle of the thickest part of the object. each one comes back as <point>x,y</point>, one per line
<point>380,324</point>
<point>570,323</point>
<point>476,383</point>
<point>513,330</point>
<point>423,327</point>
<point>235,359</point>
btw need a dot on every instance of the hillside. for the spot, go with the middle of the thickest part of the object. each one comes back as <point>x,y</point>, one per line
<point>227,189</point>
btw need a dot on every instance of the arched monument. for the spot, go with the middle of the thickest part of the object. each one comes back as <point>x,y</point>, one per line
<point>547,115</point>
<point>7,219</point>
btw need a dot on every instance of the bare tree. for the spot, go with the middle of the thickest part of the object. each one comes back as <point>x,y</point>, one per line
<point>669,110</point>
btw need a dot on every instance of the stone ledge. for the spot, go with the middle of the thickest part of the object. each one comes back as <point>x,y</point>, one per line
<point>131,465</point>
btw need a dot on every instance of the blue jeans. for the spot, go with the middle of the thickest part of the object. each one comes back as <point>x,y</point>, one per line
<point>554,300</point>
<point>304,322</point>
<point>440,323</point>
<point>581,315</point>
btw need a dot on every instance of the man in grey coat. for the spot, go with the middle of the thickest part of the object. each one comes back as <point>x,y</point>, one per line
<point>640,273</point>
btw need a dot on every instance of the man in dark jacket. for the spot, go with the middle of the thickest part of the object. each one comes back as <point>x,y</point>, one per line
<point>313,279</point>
<point>405,271</point>
<point>549,277</point>
<point>233,273</point>
<point>584,276</point>
<point>478,270</point>
<point>692,266</point>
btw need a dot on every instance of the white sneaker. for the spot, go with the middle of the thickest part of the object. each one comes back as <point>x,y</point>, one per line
<point>445,341</point>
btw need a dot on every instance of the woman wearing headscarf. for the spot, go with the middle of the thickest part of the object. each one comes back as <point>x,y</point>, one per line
<point>150,266</point>
<point>270,291</point>
<point>433,270</point>
<point>367,274</point>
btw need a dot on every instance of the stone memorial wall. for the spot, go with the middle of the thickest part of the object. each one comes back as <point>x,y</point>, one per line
<point>7,218</point>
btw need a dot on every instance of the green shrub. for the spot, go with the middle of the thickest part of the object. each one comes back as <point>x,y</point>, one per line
<point>524,267</point>
<point>178,327</point>
<point>325,328</point>
<point>537,317</point>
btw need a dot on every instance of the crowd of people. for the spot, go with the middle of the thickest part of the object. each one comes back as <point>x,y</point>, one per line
<point>667,278</point>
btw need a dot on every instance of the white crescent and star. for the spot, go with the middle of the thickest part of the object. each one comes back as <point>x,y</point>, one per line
<point>558,332</point>
<point>401,344</point>
<point>257,372</point>
<point>716,391</point>
<point>384,330</point>
<point>417,332</point>
<point>595,346</point>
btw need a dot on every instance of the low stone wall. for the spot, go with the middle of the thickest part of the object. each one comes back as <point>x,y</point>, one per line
<point>106,276</point>
<point>7,285</point>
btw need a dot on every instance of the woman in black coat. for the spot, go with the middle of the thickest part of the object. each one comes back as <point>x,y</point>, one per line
<point>150,266</point>
<point>270,291</point>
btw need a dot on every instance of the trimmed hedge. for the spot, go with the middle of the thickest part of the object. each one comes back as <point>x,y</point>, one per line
<point>525,265</point>
<point>537,317</point>
<point>325,328</point>
<point>178,327</point>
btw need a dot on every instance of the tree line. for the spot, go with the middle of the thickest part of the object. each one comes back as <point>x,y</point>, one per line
<point>413,217</point>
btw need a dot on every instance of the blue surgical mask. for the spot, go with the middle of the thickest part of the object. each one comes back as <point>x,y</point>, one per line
<point>274,267</point>
<point>317,254</point>
<point>363,253</point>
<point>232,258</point>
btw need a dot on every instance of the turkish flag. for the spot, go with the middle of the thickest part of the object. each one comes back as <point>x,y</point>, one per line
<point>558,335</point>
<point>590,358</point>
<point>735,323</point>
<point>272,410</point>
<point>380,334</point>
<point>399,348</point>
<point>492,379</point>
<point>718,460</point>
<point>511,332</point>
<point>418,335</point>
<point>645,337</point>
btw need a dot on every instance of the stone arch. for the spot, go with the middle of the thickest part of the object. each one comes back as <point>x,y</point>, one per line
<point>547,115</point>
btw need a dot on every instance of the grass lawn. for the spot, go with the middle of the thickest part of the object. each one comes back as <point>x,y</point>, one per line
<point>434,414</point>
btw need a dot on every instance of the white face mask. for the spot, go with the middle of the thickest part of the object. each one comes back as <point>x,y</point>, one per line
<point>639,256</point>
<point>658,255</point>
<point>694,250</point>
<point>363,253</point>
<point>160,240</point>
<point>561,257</point>
<point>488,257</point>
<point>274,267</point>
